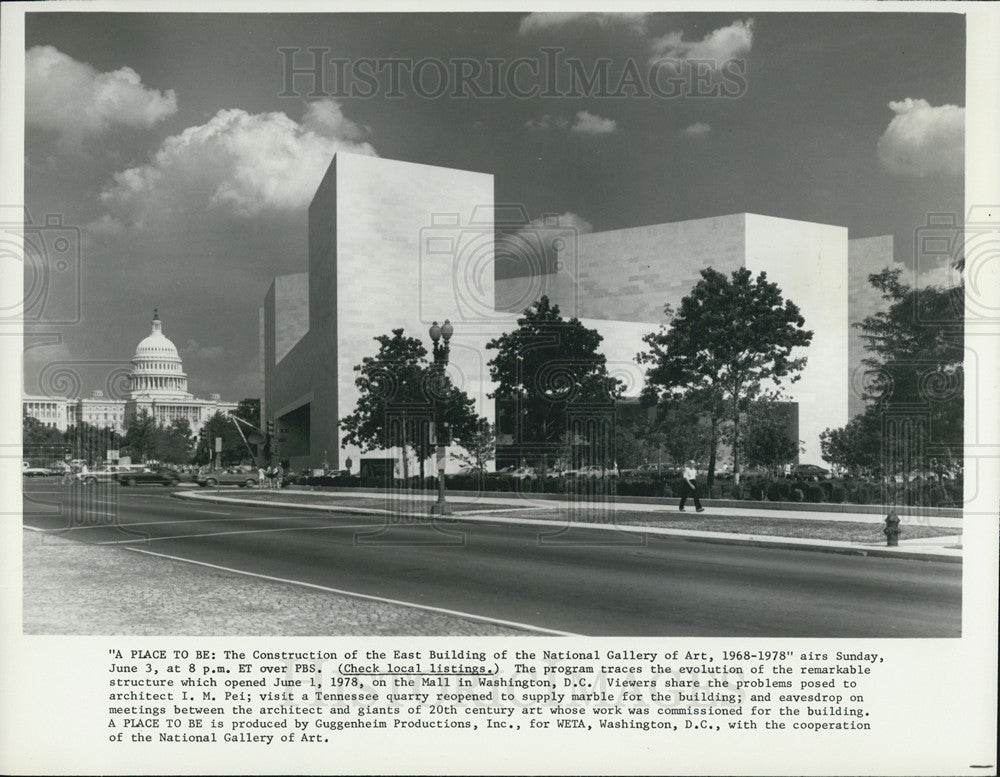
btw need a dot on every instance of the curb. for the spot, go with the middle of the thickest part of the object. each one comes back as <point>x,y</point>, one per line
<point>826,507</point>
<point>721,538</point>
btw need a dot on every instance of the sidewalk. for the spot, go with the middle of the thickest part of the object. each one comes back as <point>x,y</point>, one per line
<point>942,545</point>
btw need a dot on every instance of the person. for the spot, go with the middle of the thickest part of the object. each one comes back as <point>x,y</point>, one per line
<point>690,486</point>
<point>261,477</point>
<point>68,474</point>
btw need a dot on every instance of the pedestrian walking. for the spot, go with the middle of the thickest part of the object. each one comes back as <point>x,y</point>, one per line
<point>261,477</point>
<point>690,486</point>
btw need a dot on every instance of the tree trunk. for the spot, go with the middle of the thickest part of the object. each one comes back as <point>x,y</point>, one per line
<point>736,440</point>
<point>713,443</point>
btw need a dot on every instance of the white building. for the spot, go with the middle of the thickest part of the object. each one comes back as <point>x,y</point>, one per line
<point>394,244</point>
<point>157,385</point>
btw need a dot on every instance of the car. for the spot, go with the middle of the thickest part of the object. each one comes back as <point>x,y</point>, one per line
<point>596,471</point>
<point>519,473</point>
<point>809,472</point>
<point>105,474</point>
<point>159,475</point>
<point>657,469</point>
<point>36,472</point>
<point>234,476</point>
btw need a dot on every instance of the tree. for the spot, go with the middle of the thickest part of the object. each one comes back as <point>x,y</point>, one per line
<point>249,410</point>
<point>856,447</point>
<point>398,390</point>
<point>140,437</point>
<point>729,336</point>
<point>86,441</point>
<point>480,446</point>
<point>234,450</point>
<point>39,442</point>
<point>682,428</point>
<point>547,367</point>
<point>174,442</point>
<point>914,369</point>
<point>915,360</point>
<point>765,441</point>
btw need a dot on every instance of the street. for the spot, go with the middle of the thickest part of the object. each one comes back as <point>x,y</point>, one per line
<point>578,581</point>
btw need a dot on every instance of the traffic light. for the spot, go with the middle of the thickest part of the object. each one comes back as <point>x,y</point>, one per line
<point>270,428</point>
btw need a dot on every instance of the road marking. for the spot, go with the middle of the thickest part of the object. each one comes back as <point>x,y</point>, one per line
<point>194,520</point>
<point>223,533</point>
<point>342,592</point>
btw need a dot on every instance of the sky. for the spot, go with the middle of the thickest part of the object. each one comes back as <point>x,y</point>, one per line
<point>181,156</point>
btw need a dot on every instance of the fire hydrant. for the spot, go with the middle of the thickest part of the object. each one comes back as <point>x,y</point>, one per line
<point>891,530</point>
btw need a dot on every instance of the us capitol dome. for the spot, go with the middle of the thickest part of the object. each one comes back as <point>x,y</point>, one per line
<point>157,372</point>
<point>157,384</point>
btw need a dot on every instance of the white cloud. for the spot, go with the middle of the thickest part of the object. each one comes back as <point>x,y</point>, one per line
<point>923,139</point>
<point>590,124</point>
<point>697,129</point>
<point>532,247</point>
<point>718,46</point>
<point>196,350</point>
<point>584,122</point>
<point>541,22</point>
<point>568,221</point>
<point>547,122</point>
<point>236,163</point>
<point>77,101</point>
<point>944,276</point>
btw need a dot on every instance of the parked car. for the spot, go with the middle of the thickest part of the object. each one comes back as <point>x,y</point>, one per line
<point>809,472</point>
<point>657,469</point>
<point>596,471</point>
<point>234,476</point>
<point>37,472</point>
<point>159,475</point>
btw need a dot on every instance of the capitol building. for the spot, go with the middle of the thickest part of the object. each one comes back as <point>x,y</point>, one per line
<point>157,384</point>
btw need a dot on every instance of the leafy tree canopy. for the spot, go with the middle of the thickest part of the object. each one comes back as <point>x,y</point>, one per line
<point>398,391</point>
<point>729,336</point>
<point>547,365</point>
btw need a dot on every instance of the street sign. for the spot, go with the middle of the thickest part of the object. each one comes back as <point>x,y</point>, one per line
<point>218,445</point>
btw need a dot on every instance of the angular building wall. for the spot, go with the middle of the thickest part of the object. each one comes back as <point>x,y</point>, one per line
<point>808,261</point>
<point>391,245</point>
<point>625,277</point>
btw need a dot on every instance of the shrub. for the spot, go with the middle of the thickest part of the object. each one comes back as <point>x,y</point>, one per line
<point>814,493</point>
<point>838,494</point>
<point>861,493</point>
<point>797,495</point>
<point>779,491</point>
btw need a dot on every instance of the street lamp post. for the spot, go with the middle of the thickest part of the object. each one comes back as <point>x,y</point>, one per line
<point>440,336</point>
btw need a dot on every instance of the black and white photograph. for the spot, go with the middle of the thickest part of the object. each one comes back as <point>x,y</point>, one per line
<point>351,342</point>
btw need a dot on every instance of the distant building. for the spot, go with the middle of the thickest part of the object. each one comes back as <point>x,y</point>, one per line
<point>157,385</point>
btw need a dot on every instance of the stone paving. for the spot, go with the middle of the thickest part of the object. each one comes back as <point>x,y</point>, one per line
<point>72,588</point>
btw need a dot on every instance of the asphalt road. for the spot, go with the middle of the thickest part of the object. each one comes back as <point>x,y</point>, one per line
<point>580,581</point>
